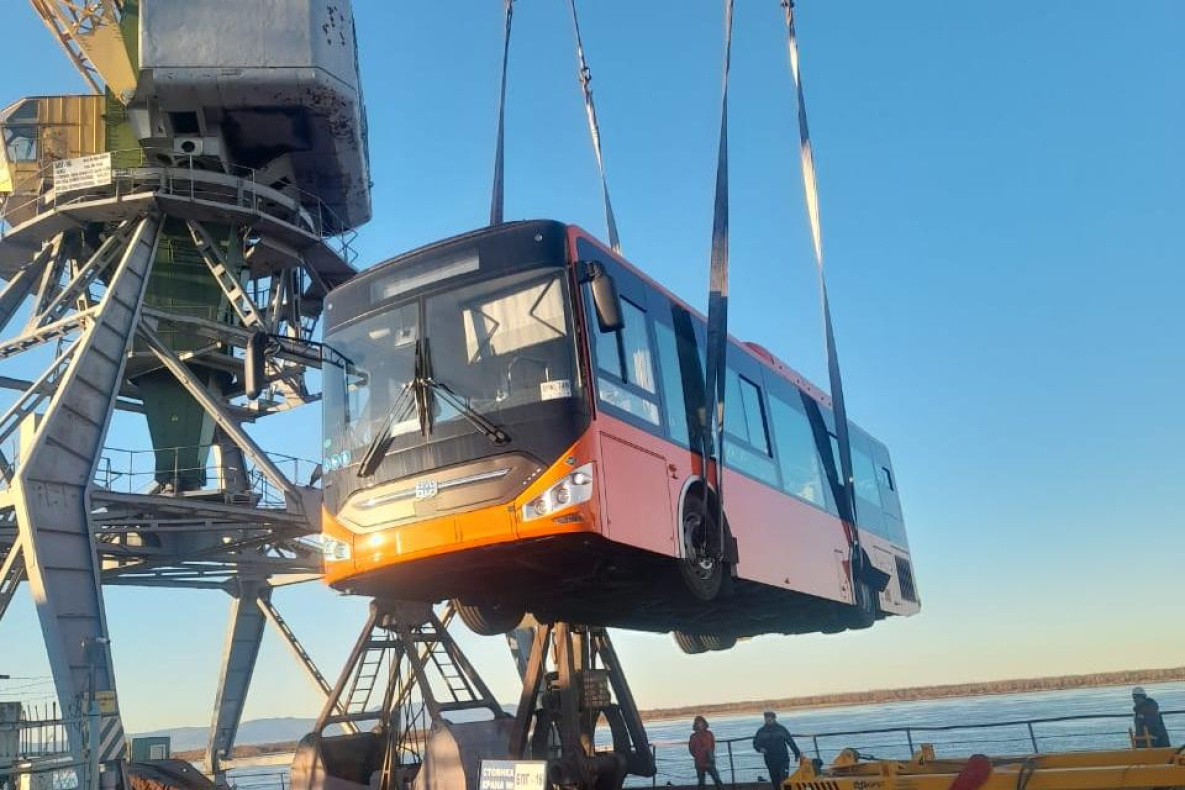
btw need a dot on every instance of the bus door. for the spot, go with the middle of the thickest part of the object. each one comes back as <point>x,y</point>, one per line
<point>634,471</point>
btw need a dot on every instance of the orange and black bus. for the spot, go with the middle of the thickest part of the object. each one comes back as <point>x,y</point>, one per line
<point>513,420</point>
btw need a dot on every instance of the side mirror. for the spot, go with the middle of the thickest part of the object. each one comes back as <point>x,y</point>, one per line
<point>605,298</point>
<point>253,364</point>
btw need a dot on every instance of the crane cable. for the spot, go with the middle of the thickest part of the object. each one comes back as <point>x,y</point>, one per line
<point>847,506</point>
<point>499,185</point>
<point>718,301</point>
<point>584,75</point>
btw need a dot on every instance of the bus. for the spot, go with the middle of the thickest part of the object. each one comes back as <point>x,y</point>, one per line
<point>514,420</point>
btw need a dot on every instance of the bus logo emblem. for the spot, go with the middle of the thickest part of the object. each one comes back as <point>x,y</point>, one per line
<point>427,489</point>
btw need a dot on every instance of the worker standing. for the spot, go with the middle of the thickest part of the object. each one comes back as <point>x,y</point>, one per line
<point>702,746</point>
<point>1150,731</point>
<point>775,743</point>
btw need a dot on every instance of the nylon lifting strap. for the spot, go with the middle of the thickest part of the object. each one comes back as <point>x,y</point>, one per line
<point>718,294</point>
<point>810,188</point>
<point>499,186</point>
<point>585,76</point>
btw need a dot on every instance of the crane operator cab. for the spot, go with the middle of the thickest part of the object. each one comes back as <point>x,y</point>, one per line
<point>36,132</point>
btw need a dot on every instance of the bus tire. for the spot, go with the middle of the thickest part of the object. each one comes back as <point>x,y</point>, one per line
<point>689,643</point>
<point>702,576</point>
<point>717,642</point>
<point>863,613</point>
<point>489,620</point>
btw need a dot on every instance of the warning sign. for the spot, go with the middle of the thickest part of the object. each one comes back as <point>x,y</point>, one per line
<point>512,775</point>
<point>107,704</point>
<point>85,172</point>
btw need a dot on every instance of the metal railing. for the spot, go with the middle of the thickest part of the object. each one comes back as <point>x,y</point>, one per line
<point>739,764</point>
<point>171,470</point>
<point>244,779</point>
<point>239,187</point>
<point>38,745</point>
<point>44,730</point>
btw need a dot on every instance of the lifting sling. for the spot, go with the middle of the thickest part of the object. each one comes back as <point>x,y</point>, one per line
<point>718,309</point>
<point>717,349</point>
<point>584,74</point>
<point>499,186</point>
<point>859,567</point>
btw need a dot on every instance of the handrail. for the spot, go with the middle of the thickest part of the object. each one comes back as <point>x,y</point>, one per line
<point>319,218</point>
<point>976,726</point>
<point>746,764</point>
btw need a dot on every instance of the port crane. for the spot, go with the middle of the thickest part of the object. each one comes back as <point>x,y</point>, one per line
<point>205,188</point>
<point>200,200</point>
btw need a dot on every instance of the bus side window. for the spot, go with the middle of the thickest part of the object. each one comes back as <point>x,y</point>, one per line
<point>802,470</point>
<point>746,437</point>
<point>672,384</point>
<point>625,356</point>
<point>870,513</point>
<point>864,471</point>
<point>635,342</point>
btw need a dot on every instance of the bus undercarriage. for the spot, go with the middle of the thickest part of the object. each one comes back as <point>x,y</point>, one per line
<point>589,579</point>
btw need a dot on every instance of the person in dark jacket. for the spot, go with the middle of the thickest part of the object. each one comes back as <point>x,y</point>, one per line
<point>702,746</point>
<point>775,743</point>
<point>1149,728</point>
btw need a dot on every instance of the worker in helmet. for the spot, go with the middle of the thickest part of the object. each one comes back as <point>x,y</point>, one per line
<point>1149,731</point>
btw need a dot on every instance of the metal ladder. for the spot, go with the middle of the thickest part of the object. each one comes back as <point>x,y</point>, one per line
<point>37,392</point>
<point>367,674</point>
<point>48,332</point>
<point>12,573</point>
<point>107,254</point>
<point>242,304</point>
<point>437,651</point>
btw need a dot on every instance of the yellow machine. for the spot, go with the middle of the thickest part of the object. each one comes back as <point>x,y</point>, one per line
<point>1101,770</point>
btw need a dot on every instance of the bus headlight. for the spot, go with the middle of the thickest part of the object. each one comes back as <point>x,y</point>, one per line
<point>334,550</point>
<point>573,489</point>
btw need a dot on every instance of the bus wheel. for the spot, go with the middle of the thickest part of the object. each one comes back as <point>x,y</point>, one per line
<point>489,620</point>
<point>717,642</point>
<point>689,643</point>
<point>702,573</point>
<point>863,613</point>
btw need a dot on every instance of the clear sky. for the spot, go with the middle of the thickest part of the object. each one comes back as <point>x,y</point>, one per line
<point>1003,204</point>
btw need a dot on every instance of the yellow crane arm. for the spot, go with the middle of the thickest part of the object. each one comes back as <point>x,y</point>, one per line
<point>89,32</point>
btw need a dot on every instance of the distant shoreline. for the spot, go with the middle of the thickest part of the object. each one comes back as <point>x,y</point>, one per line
<point>992,688</point>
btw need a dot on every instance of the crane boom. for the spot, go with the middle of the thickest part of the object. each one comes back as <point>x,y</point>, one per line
<point>89,31</point>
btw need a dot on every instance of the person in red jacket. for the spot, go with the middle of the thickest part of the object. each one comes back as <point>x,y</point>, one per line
<point>702,746</point>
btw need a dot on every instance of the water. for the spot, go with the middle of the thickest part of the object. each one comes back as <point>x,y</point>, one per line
<point>675,767</point>
<point>812,727</point>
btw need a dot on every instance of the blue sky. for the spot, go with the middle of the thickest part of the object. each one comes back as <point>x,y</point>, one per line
<point>1002,196</point>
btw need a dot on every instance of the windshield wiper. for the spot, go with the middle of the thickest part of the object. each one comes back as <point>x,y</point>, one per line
<point>378,446</point>
<point>416,392</point>
<point>475,418</point>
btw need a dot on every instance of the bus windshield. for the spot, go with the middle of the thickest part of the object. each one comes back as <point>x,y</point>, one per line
<point>495,344</point>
